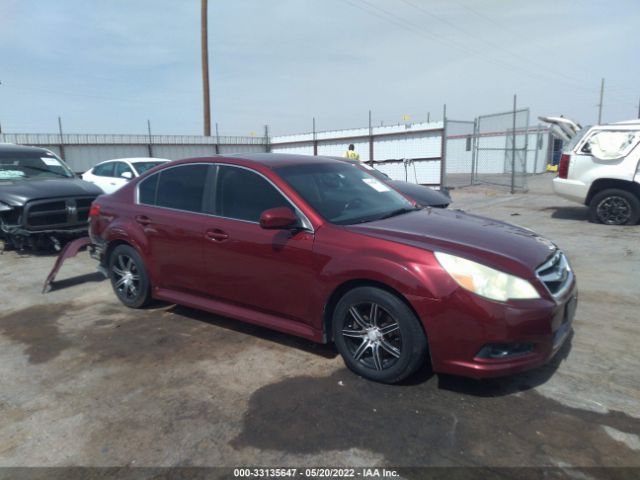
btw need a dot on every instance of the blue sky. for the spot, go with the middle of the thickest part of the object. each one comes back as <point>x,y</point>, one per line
<point>107,66</point>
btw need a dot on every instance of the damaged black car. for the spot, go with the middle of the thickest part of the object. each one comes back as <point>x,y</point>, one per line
<point>42,202</point>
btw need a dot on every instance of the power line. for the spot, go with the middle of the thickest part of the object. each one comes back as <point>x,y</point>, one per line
<point>419,30</point>
<point>482,40</point>
<point>514,32</point>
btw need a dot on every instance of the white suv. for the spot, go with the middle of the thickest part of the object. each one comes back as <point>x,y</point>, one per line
<point>113,174</point>
<point>600,168</point>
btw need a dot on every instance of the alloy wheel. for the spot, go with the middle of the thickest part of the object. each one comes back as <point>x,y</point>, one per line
<point>372,336</point>
<point>614,210</point>
<point>126,277</point>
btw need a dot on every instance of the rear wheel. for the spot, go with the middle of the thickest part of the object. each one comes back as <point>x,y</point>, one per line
<point>378,335</point>
<point>614,207</point>
<point>128,277</point>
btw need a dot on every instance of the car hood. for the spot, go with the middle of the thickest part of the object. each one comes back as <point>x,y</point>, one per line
<point>19,192</point>
<point>491,242</point>
<point>423,195</point>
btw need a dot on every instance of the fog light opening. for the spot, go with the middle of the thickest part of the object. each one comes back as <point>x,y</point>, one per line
<point>499,351</point>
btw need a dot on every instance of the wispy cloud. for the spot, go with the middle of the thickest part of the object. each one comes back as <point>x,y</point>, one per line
<point>108,66</point>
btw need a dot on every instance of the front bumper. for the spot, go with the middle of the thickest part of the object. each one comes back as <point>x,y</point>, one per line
<point>20,238</point>
<point>459,328</point>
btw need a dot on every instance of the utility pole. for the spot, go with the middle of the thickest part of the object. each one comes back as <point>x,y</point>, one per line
<point>370,140</point>
<point>513,146</point>
<point>150,149</point>
<point>315,138</point>
<point>205,67</point>
<point>61,138</point>
<point>443,150</point>
<point>639,108</point>
<point>600,104</point>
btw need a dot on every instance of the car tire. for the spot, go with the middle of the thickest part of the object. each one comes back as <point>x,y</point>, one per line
<point>129,277</point>
<point>378,335</point>
<point>614,207</point>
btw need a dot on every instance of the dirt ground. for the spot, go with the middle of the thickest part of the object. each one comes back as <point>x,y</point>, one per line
<point>85,381</point>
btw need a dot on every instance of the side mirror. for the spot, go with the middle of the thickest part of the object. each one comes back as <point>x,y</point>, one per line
<point>127,175</point>
<point>278,218</point>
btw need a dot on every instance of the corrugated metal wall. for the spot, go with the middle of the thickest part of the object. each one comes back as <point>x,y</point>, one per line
<point>405,152</point>
<point>391,145</point>
<point>82,157</point>
<point>83,151</point>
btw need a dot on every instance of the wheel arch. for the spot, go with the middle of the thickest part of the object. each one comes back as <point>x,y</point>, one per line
<point>606,183</point>
<point>112,245</point>
<point>347,286</point>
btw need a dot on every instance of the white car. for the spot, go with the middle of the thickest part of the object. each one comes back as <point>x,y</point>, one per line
<point>113,174</point>
<point>600,168</point>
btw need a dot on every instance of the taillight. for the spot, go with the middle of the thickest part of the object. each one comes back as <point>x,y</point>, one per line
<point>95,210</point>
<point>563,169</point>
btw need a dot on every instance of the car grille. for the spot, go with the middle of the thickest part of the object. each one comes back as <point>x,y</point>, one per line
<point>556,274</point>
<point>58,213</point>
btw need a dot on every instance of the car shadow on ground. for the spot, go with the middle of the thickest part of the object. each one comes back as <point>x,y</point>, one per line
<point>464,423</point>
<point>323,350</point>
<point>95,277</point>
<point>28,253</point>
<point>494,387</point>
<point>568,213</point>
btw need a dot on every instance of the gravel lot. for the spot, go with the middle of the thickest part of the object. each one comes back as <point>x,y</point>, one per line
<point>86,381</point>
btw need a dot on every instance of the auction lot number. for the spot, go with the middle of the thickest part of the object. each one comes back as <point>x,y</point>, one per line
<point>330,473</point>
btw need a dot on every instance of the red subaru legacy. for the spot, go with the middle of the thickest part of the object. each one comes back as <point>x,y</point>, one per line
<point>317,247</point>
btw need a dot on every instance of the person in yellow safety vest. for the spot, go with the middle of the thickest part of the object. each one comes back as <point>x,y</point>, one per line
<point>351,154</point>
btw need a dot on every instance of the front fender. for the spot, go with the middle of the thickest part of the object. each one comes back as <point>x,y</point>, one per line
<point>410,278</point>
<point>419,280</point>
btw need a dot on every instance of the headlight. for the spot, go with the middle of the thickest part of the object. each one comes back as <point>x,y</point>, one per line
<point>485,281</point>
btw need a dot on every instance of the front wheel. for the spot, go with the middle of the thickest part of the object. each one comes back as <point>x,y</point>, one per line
<point>378,335</point>
<point>614,207</point>
<point>128,277</point>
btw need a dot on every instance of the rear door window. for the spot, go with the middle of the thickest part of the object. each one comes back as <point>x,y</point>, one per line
<point>147,190</point>
<point>181,188</point>
<point>104,170</point>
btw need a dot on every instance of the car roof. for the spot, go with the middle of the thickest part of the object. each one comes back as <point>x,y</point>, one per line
<point>635,121</point>
<point>626,125</point>
<point>274,160</point>
<point>136,160</point>
<point>11,148</point>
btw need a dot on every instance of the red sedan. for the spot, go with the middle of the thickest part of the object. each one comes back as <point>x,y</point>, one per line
<point>318,248</point>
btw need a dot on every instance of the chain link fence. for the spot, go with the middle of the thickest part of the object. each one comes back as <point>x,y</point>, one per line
<point>500,152</point>
<point>496,149</point>
<point>459,153</point>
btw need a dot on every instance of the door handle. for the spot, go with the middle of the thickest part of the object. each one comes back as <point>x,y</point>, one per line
<point>216,235</point>
<point>143,219</point>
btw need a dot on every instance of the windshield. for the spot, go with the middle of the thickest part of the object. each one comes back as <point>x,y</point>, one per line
<point>142,167</point>
<point>32,165</point>
<point>378,174</point>
<point>343,194</point>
